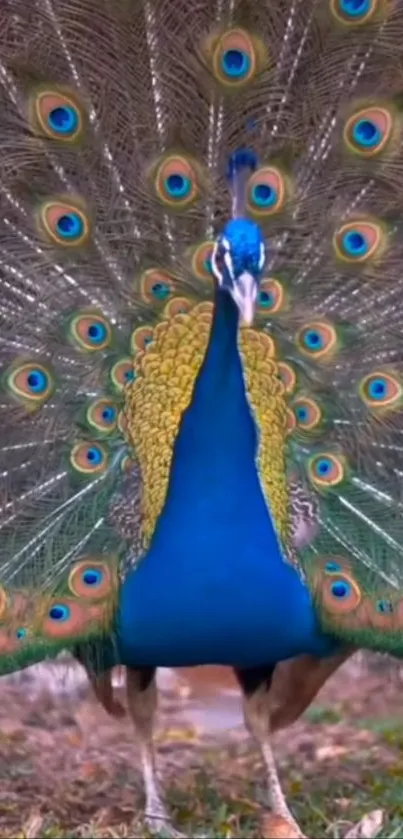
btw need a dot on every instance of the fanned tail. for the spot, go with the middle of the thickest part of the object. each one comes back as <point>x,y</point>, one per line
<point>117,125</point>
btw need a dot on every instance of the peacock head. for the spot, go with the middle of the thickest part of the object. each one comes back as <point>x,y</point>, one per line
<point>237,262</point>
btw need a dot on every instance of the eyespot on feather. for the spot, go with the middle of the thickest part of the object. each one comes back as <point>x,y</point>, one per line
<point>267,191</point>
<point>141,338</point>
<point>177,181</point>
<point>381,391</point>
<point>57,114</point>
<point>272,296</point>
<point>89,458</point>
<point>66,618</point>
<point>201,260</point>
<point>30,383</point>
<point>64,223</point>
<point>334,565</point>
<point>328,565</point>
<point>359,241</point>
<point>340,594</point>
<point>90,331</point>
<point>122,373</point>
<point>383,613</point>
<point>156,286</point>
<point>326,470</point>
<point>287,375</point>
<point>179,305</point>
<point>102,416</point>
<point>308,413</point>
<point>91,578</point>
<point>235,57</point>
<point>354,13</point>
<point>367,131</point>
<point>318,340</point>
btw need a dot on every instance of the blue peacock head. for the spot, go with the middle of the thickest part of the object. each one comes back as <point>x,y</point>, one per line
<point>237,262</point>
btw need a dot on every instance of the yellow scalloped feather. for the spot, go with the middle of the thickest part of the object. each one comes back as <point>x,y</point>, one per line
<point>164,378</point>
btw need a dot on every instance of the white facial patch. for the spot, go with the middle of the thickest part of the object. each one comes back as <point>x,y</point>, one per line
<point>224,243</point>
<point>229,264</point>
<point>214,264</point>
<point>262,258</point>
<point>244,293</point>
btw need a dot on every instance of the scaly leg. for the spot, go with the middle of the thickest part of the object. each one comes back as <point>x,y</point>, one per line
<point>255,686</point>
<point>142,702</point>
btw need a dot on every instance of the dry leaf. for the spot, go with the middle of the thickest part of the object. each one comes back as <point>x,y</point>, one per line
<point>32,827</point>
<point>368,827</point>
<point>329,752</point>
<point>190,734</point>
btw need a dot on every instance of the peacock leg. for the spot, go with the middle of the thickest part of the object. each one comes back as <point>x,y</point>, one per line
<point>255,685</point>
<point>142,702</point>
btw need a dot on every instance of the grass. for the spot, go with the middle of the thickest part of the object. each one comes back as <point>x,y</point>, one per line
<point>213,803</point>
<point>67,770</point>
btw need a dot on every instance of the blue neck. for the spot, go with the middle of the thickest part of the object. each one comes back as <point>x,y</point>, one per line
<point>217,435</point>
<point>222,356</point>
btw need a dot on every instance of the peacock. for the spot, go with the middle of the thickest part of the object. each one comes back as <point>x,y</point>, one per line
<point>201,452</point>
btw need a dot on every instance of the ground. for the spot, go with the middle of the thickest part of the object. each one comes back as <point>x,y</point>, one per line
<point>69,770</point>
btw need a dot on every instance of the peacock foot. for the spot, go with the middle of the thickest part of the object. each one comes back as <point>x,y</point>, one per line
<point>280,827</point>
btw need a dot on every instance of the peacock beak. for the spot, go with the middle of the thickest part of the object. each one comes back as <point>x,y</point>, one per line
<point>244,293</point>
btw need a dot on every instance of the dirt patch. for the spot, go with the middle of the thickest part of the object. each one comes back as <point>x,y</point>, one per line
<point>67,769</point>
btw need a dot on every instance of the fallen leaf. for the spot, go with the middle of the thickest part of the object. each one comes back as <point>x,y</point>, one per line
<point>33,825</point>
<point>179,735</point>
<point>368,827</point>
<point>329,752</point>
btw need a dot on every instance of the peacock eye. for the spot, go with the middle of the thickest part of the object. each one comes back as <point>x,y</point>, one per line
<point>354,12</point>
<point>59,612</point>
<point>177,181</point>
